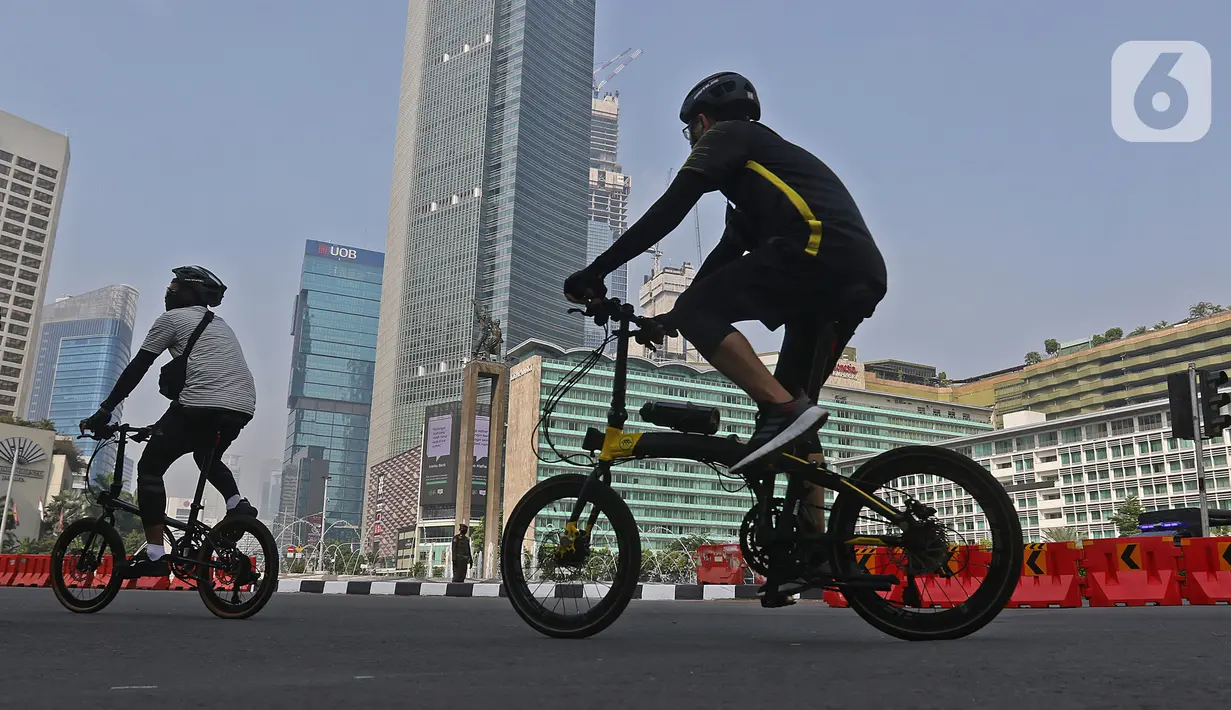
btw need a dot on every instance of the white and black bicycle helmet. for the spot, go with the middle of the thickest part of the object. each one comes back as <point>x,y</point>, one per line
<point>726,93</point>
<point>207,287</point>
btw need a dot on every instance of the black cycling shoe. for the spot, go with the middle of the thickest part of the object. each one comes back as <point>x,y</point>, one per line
<point>779,427</point>
<point>242,509</point>
<point>142,566</point>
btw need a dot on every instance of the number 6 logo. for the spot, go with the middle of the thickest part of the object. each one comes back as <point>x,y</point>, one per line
<point>1161,92</point>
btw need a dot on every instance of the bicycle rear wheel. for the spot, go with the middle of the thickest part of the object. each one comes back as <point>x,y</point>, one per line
<point>547,569</point>
<point>78,561</point>
<point>959,564</point>
<point>245,575</point>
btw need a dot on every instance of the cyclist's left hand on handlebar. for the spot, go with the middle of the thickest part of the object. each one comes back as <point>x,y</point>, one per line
<point>96,421</point>
<point>653,331</point>
<point>584,287</point>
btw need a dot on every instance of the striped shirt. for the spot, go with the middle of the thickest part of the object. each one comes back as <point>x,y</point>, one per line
<point>218,375</point>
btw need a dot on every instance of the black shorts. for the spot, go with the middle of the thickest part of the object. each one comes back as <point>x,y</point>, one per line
<point>776,285</point>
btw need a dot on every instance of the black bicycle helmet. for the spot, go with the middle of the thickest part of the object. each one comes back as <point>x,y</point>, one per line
<point>726,91</point>
<point>207,287</point>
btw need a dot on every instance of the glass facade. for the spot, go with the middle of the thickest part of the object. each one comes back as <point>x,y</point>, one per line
<point>489,193</point>
<point>336,313</point>
<point>671,498</point>
<point>84,344</point>
<point>1075,472</point>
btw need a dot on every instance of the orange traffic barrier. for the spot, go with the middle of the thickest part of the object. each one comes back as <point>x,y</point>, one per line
<point>835,599</point>
<point>1049,577</point>
<point>33,571</point>
<point>720,564</point>
<point>1137,571</point>
<point>178,584</point>
<point>966,569</point>
<point>1207,567</point>
<point>8,569</point>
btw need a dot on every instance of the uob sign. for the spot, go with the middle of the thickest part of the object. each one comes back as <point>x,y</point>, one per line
<point>335,250</point>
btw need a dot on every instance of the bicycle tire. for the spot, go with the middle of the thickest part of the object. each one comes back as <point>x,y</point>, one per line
<point>269,581</point>
<point>58,585</point>
<point>1002,574</point>
<point>628,565</point>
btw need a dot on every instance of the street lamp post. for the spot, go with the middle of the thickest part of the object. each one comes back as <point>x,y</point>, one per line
<point>8,493</point>
<point>320,563</point>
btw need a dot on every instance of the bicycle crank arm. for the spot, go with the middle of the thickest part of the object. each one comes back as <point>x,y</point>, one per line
<point>875,582</point>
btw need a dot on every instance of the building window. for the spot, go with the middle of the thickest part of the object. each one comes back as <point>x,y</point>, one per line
<point>1096,431</point>
<point>27,275</point>
<point>36,236</point>
<point>39,209</point>
<point>19,189</point>
<point>15,215</point>
<point>1025,443</point>
<point>1070,436</point>
<point>49,172</point>
<point>24,288</point>
<point>12,228</point>
<point>45,184</point>
<point>42,197</point>
<point>1120,427</point>
<point>27,164</point>
<point>33,249</point>
<point>15,343</point>
<point>21,316</point>
<point>1150,422</point>
<point>31,262</point>
<point>966,416</point>
<point>1048,439</point>
<point>1004,446</point>
<point>19,330</point>
<point>23,302</point>
<point>24,177</point>
<point>6,156</point>
<point>13,357</point>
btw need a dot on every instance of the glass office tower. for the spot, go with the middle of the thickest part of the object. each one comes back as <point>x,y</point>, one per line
<point>489,196</point>
<point>330,396</point>
<point>84,344</point>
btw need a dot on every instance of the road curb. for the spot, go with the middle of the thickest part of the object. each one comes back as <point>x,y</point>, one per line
<point>649,592</point>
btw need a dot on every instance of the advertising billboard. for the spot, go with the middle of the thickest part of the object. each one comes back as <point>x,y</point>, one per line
<point>339,252</point>
<point>439,469</point>
<point>438,472</point>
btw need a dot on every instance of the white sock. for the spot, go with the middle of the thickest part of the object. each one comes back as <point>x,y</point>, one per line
<point>233,501</point>
<point>155,551</point>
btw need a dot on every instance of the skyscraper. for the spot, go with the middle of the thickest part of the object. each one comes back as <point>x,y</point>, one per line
<point>488,199</point>
<point>33,169</point>
<point>330,396</point>
<point>658,295</point>
<point>83,345</point>
<point>609,189</point>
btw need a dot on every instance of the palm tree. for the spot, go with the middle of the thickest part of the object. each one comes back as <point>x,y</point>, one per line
<point>1200,309</point>
<point>1215,308</point>
<point>1065,534</point>
<point>9,542</point>
<point>69,505</point>
<point>1161,324</point>
<point>1138,331</point>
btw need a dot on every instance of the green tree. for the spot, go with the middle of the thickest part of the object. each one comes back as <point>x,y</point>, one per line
<point>40,424</point>
<point>1139,330</point>
<point>1097,339</point>
<point>72,454</point>
<point>1063,534</point>
<point>1113,334</point>
<point>1051,346</point>
<point>9,543</point>
<point>1201,309</point>
<point>1126,515</point>
<point>1161,325</point>
<point>1033,357</point>
<point>1215,308</point>
<point>943,378</point>
<point>1220,531</point>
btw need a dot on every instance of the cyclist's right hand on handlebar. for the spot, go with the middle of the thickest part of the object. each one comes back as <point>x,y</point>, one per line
<point>584,287</point>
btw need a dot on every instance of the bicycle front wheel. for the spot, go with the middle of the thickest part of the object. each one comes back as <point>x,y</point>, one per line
<point>85,565</point>
<point>958,563</point>
<point>566,583</point>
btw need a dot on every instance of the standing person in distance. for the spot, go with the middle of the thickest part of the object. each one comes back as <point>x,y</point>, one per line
<point>212,398</point>
<point>461,553</point>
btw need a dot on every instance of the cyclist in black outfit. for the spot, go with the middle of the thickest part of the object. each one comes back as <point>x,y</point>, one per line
<point>794,245</point>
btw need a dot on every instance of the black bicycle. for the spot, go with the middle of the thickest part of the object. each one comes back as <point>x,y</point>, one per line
<point>233,565</point>
<point>923,542</point>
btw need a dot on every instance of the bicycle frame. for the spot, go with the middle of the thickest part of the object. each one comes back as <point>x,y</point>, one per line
<point>614,445</point>
<point>111,501</point>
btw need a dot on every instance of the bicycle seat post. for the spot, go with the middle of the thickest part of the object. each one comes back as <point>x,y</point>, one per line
<point>197,505</point>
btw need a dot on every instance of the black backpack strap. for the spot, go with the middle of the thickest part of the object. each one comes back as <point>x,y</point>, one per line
<point>209,316</point>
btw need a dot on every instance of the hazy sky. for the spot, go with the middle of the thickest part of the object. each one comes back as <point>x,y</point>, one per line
<point>976,138</point>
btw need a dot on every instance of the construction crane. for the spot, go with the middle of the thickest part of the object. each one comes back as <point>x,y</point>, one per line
<point>696,225</point>
<point>599,86</point>
<point>611,61</point>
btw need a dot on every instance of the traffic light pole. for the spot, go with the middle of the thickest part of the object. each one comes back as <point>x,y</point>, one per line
<point>1197,434</point>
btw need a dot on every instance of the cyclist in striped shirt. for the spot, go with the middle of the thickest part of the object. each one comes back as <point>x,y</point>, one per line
<point>217,399</point>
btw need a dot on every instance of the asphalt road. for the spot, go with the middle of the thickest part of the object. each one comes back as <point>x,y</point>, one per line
<point>311,651</point>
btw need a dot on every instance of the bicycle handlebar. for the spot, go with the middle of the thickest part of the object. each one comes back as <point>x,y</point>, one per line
<point>603,310</point>
<point>136,433</point>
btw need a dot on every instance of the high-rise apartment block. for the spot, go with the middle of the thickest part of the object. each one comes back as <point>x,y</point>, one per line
<point>657,296</point>
<point>609,189</point>
<point>33,170</point>
<point>488,202</point>
<point>330,395</point>
<point>84,344</point>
